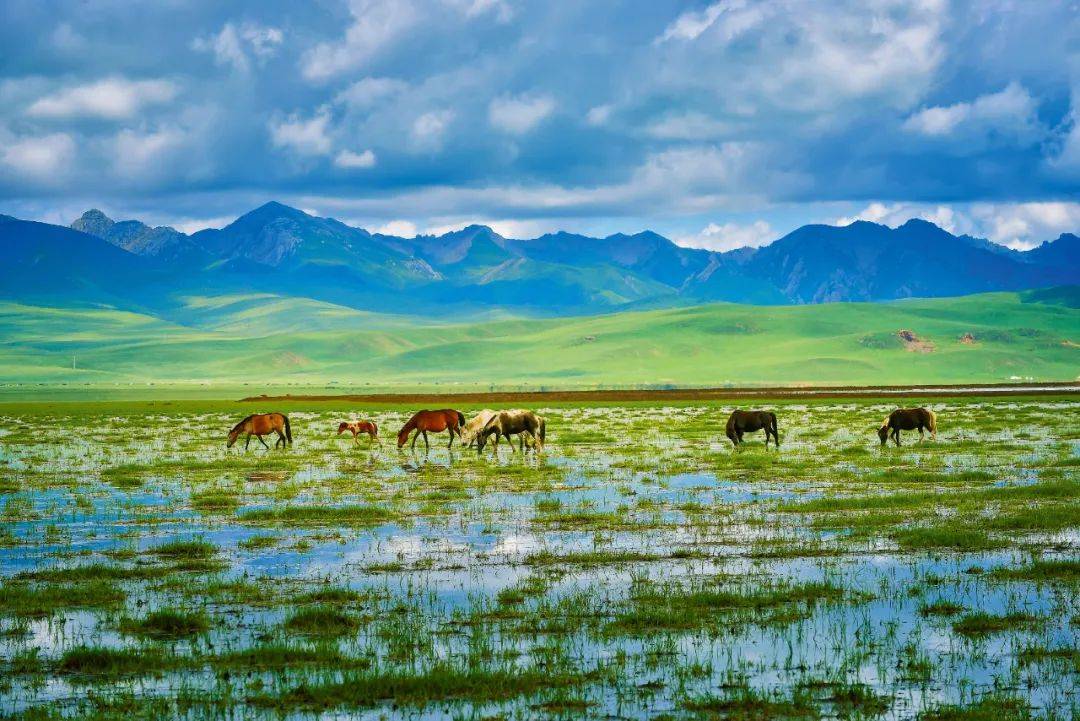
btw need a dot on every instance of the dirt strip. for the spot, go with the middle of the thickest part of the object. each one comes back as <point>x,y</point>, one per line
<point>691,394</point>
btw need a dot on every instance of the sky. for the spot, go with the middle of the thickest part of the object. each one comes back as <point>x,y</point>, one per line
<point>718,124</point>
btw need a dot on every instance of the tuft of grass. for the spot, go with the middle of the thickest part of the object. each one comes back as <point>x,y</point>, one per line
<point>439,683</point>
<point>981,624</point>
<point>1052,571</point>
<point>39,601</point>
<point>941,608</point>
<point>359,515</point>
<point>193,550</point>
<point>167,623</point>
<point>994,707</point>
<point>945,537</point>
<point>322,621</point>
<point>104,661</point>
<point>748,705</point>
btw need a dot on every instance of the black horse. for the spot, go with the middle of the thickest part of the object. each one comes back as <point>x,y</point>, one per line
<point>749,421</point>
<point>907,419</point>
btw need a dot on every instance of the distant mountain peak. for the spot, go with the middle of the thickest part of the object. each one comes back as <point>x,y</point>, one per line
<point>93,222</point>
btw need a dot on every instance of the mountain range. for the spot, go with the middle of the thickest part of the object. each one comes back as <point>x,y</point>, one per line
<point>287,252</point>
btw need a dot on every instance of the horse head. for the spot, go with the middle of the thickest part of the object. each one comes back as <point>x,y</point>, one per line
<point>883,432</point>
<point>342,427</point>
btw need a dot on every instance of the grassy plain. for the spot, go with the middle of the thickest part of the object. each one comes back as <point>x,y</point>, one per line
<point>267,342</point>
<point>637,567</point>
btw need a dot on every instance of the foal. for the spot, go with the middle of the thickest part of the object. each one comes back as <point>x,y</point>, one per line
<point>358,427</point>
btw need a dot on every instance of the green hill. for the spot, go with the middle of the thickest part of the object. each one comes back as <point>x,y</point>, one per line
<point>270,341</point>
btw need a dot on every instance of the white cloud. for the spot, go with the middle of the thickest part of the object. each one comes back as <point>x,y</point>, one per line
<point>690,25</point>
<point>688,126</point>
<point>376,23</point>
<point>305,137</point>
<point>599,115</point>
<point>729,236</point>
<point>194,225</point>
<point>368,92</point>
<point>39,158</point>
<point>1016,225</point>
<point>138,154</point>
<point>519,115</point>
<point>474,8</point>
<point>400,228</point>
<point>429,129</point>
<point>1065,159</point>
<point>1010,113</point>
<point>111,98</point>
<point>235,46</point>
<point>349,159</point>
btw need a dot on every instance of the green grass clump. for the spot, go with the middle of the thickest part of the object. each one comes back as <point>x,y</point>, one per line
<point>989,708</point>
<point>38,601</point>
<point>104,661</point>
<point>409,688</point>
<point>167,623</point>
<point>1048,571</point>
<point>193,550</point>
<point>941,608</point>
<point>655,608</point>
<point>322,621</point>
<point>981,624</point>
<point>351,515</point>
<point>749,705</point>
<point>945,537</point>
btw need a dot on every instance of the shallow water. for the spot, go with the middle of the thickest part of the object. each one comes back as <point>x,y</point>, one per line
<point>639,508</point>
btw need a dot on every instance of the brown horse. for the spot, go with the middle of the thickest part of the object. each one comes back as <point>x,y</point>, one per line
<point>446,419</point>
<point>259,425</point>
<point>508,423</point>
<point>358,427</point>
<point>907,419</point>
<point>740,422</point>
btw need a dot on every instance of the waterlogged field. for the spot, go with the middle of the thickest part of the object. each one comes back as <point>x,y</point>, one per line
<point>637,568</point>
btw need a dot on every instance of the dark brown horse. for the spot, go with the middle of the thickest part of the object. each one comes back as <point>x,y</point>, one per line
<point>259,425</point>
<point>358,427</point>
<point>908,419</point>
<point>446,419</point>
<point>740,422</point>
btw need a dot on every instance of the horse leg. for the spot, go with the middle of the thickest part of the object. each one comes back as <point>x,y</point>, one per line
<point>509,442</point>
<point>426,444</point>
<point>896,436</point>
<point>451,443</point>
<point>247,441</point>
<point>413,447</point>
<point>259,436</point>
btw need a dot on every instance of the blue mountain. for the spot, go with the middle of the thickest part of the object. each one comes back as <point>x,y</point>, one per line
<point>283,250</point>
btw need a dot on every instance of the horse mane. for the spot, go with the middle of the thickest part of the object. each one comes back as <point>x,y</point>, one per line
<point>933,420</point>
<point>241,423</point>
<point>885,422</point>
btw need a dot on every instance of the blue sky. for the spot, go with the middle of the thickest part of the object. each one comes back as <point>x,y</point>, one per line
<point>718,124</point>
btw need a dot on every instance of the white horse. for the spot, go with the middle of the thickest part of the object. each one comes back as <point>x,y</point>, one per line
<point>475,425</point>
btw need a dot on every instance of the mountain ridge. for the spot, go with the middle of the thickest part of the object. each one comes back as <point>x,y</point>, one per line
<point>279,249</point>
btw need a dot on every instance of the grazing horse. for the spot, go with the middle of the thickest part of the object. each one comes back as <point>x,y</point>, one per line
<point>446,419</point>
<point>907,419</point>
<point>358,427</point>
<point>259,425</point>
<point>509,423</point>
<point>475,424</point>
<point>740,422</point>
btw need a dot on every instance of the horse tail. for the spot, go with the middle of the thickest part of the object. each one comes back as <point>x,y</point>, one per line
<point>288,428</point>
<point>375,428</point>
<point>933,423</point>
<point>460,419</point>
